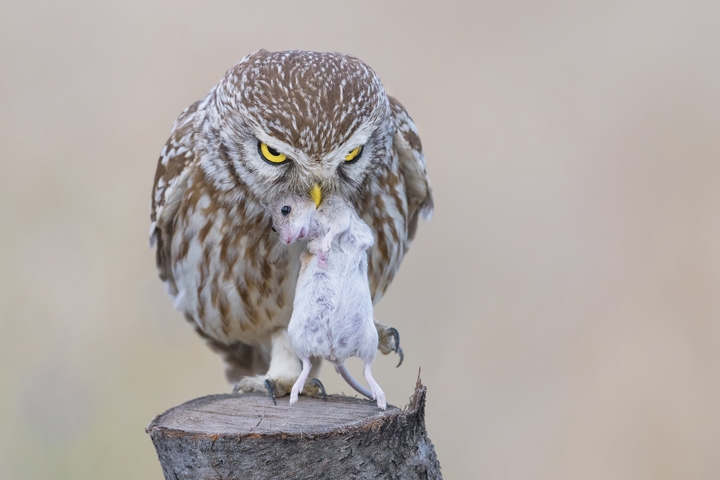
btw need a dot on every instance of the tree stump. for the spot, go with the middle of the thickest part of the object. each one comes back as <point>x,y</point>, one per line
<point>245,436</point>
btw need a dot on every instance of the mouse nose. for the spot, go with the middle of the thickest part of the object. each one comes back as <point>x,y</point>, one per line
<point>285,210</point>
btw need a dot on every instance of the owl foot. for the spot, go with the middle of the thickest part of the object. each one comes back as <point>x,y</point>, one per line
<point>277,387</point>
<point>313,387</point>
<point>264,383</point>
<point>389,341</point>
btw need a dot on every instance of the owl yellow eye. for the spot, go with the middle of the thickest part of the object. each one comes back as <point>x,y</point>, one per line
<point>354,155</point>
<point>270,154</point>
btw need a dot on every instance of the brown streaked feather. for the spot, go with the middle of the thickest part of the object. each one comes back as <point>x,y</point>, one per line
<point>412,165</point>
<point>176,155</point>
<point>170,180</point>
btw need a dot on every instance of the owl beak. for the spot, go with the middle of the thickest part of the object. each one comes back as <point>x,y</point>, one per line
<point>316,194</point>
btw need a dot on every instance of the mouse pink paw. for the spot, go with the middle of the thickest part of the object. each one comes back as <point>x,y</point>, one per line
<point>322,260</point>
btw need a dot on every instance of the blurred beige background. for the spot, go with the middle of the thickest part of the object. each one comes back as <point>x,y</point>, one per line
<point>564,302</point>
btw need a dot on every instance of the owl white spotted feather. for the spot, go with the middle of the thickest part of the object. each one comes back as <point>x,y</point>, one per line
<point>310,123</point>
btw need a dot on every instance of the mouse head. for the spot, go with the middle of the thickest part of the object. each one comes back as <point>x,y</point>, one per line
<point>292,216</point>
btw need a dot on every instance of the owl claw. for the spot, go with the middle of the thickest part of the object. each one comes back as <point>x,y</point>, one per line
<point>396,335</point>
<point>389,341</point>
<point>318,383</point>
<point>270,386</point>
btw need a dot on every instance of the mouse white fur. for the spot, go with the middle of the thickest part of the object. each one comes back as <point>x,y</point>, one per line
<point>332,312</point>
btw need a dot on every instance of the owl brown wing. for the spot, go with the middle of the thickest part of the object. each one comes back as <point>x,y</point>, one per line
<point>170,180</point>
<point>412,165</point>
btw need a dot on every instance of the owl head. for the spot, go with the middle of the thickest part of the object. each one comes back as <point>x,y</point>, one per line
<point>307,123</point>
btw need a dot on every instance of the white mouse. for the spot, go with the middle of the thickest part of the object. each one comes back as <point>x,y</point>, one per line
<point>332,312</point>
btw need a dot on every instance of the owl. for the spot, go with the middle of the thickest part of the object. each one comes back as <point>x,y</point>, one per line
<point>300,122</point>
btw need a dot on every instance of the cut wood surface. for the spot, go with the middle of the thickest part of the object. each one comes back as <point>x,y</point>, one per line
<point>233,436</point>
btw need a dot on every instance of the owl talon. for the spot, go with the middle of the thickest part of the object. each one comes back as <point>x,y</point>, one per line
<point>396,336</point>
<point>389,341</point>
<point>318,383</point>
<point>270,386</point>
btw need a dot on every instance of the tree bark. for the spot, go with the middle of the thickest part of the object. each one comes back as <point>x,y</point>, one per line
<point>246,436</point>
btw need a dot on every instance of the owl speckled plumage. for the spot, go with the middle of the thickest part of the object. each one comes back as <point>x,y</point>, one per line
<point>311,123</point>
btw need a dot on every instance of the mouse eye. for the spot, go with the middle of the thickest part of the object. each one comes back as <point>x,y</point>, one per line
<point>285,210</point>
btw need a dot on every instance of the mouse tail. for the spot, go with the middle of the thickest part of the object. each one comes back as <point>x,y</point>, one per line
<point>340,367</point>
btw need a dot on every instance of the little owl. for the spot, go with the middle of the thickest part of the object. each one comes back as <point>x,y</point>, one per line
<point>310,123</point>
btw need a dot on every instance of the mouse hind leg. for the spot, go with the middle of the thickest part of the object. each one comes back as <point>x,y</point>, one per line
<point>374,387</point>
<point>300,383</point>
